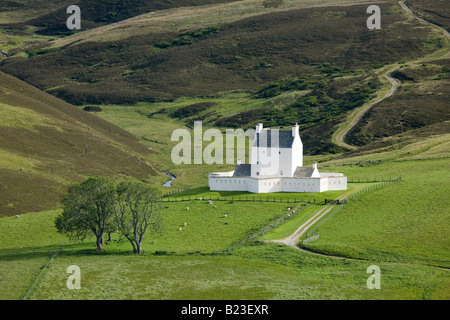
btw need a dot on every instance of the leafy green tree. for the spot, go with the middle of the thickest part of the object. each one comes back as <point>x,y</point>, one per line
<point>87,209</point>
<point>137,210</point>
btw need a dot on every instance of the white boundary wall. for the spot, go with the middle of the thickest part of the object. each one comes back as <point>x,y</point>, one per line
<point>225,181</point>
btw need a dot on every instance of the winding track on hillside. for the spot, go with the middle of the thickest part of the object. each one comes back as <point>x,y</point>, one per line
<point>339,136</point>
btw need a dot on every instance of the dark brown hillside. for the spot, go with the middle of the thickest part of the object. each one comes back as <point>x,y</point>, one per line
<point>421,103</point>
<point>46,144</point>
<point>247,54</point>
<point>50,16</point>
<point>435,11</point>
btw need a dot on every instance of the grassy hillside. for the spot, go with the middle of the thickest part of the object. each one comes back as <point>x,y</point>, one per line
<point>406,221</point>
<point>45,144</point>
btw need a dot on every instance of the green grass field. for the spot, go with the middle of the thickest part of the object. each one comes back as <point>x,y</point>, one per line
<point>253,271</point>
<point>404,221</point>
<point>214,257</point>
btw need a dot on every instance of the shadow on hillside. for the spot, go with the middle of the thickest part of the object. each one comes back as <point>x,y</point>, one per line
<point>75,249</point>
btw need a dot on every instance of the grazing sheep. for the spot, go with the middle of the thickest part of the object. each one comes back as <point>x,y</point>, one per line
<point>185,224</point>
<point>179,229</point>
<point>187,208</point>
<point>214,206</point>
<point>225,216</point>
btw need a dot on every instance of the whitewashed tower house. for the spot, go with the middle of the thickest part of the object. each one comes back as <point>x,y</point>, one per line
<point>276,165</point>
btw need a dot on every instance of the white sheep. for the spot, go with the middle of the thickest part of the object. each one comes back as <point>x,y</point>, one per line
<point>225,216</point>
<point>185,224</point>
<point>187,208</point>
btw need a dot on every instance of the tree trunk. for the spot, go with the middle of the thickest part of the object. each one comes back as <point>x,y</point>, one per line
<point>99,242</point>
<point>132,243</point>
<point>139,248</point>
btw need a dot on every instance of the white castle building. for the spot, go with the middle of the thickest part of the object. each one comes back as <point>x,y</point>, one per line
<point>276,165</point>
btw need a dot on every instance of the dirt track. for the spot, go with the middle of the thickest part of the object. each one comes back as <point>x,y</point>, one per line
<point>341,133</point>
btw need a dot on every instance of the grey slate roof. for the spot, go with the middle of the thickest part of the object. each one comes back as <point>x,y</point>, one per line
<point>303,172</point>
<point>265,140</point>
<point>242,170</point>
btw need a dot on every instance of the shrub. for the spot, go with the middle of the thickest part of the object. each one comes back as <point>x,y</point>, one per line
<point>192,109</point>
<point>92,109</point>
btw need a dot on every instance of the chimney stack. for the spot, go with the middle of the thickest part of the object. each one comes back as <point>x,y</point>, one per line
<point>259,127</point>
<point>295,130</point>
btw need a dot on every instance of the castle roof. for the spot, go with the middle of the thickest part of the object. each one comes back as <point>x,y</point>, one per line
<point>303,172</point>
<point>265,140</point>
<point>243,170</point>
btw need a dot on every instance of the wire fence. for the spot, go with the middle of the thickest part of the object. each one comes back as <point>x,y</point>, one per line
<point>371,180</point>
<point>171,196</point>
<point>372,187</point>
<point>239,198</point>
